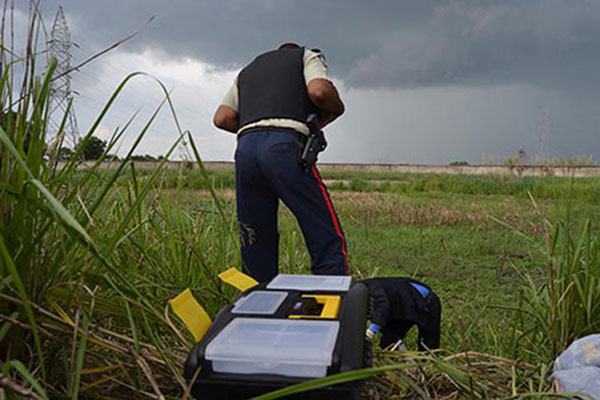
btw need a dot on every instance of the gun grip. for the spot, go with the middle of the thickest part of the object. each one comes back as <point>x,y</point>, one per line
<point>313,123</point>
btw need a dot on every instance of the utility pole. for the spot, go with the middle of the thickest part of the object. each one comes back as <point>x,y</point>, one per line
<point>61,94</point>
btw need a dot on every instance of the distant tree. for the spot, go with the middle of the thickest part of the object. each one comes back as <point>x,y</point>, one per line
<point>518,160</point>
<point>145,157</point>
<point>510,162</point>
<point>112,157</point>
<point>93,148</point>
<point>458,163</point>
<point>65,153</point>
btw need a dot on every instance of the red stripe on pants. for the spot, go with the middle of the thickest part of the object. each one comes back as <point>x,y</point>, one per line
<point>336,223</point>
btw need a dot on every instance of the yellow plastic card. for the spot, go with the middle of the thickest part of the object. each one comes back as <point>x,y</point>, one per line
<point>237,279</point>
<point>191,313</point>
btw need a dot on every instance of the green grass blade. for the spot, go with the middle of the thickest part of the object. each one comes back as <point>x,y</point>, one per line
<point>71,163</point>
<point>134,330</point>
<point>207,178</point>
<point>79,358</point>
<point>64,215</point>
<point>12,269</point>
<point>6,326</point>
<point>140,200</point>
<point>332,380</point>
<point>22,370</point>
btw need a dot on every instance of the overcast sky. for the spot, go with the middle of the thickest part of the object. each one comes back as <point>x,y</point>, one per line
<point>423,81</point>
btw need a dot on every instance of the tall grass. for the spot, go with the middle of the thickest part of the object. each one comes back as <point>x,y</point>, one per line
<point>565,306</point>
<point>89,258</point>
<point>553,311</point>
<point>86,265</point>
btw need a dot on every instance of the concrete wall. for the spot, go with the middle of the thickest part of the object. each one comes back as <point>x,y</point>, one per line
<point>527,170</point>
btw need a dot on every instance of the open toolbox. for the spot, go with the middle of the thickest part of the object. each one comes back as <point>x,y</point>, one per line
<point>286,331</point>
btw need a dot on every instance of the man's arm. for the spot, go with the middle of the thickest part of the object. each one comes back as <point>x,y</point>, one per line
<point>326,98</point>
<point>226,118</point>
<point>380,301</point>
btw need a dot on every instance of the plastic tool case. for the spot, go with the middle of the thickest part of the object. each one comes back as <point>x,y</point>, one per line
<point>287,331</point>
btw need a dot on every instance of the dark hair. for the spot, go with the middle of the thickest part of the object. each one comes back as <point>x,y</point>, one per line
<point>289,45</point>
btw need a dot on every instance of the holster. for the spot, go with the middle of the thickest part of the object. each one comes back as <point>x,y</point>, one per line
<point>314,144</point>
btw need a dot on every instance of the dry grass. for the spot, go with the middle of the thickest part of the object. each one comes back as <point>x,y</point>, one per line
<point>463,375</point>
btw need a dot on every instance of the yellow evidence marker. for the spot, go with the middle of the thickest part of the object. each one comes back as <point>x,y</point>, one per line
<point>191,313</point>
<point>237,279</point>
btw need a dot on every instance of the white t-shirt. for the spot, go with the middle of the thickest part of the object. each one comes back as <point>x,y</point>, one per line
<point>314,67</point>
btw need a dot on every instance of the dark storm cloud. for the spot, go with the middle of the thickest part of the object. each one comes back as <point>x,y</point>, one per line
<point>423,80</point>
<point>545,42</point>
<point>395,44</point>
<point>231,32</point>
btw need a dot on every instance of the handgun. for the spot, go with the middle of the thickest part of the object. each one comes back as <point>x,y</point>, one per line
<point>314,144</point>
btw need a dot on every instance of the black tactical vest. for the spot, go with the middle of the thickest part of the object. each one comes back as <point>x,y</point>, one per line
<point>273,86</point>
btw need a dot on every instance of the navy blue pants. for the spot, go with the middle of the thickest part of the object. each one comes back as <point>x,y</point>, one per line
<point>266,170</point>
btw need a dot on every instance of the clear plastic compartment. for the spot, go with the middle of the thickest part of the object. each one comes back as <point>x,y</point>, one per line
<point>259,302</point>
<point>297,348</point>
<point>325,283</point>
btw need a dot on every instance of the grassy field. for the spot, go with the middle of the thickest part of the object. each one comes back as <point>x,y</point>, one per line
<point>470,243</point>
<point>89,259</point>
<point>476,244</point>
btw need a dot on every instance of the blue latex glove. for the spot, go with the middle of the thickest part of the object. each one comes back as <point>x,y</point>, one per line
<point>372,330</point>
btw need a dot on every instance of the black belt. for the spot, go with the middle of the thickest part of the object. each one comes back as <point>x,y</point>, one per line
<point>299,135</point>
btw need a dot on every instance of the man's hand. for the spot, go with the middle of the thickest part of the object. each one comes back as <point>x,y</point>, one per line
<point>326,98</point>
<point>325,118</point>
<point>226,118</point>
